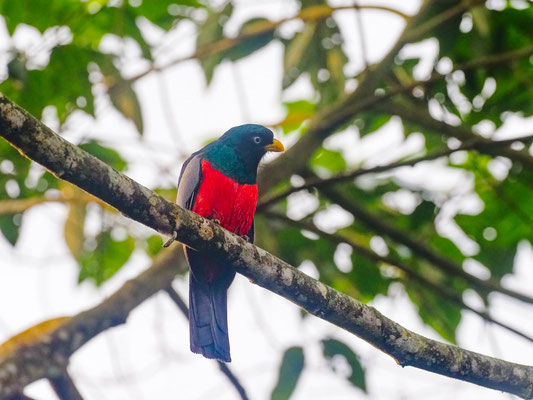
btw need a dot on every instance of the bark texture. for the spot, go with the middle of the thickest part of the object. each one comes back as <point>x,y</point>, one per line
<point>49,357</point>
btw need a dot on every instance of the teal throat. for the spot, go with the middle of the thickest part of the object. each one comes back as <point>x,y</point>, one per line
<point>237,165</point>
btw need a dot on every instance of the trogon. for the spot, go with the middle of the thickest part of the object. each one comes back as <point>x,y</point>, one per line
<point>219,182</point>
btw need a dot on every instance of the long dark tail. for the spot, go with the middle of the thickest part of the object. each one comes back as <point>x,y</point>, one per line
<point>208,316</point>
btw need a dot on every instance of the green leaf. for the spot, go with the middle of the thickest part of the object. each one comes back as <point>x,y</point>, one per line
<point>372,122</point>
<point>290,370</point>
<point>333,348</point>
<point>440,314</point>
<point>329,159</point>
<point>506,215</point>
<point>367,278</point>
<point>120,21</point>
<point>250,44</point>
<point>154,245</point>
<point>294,52</point>
<point>106,259</point>
<point>168,193</point>
<point>164,13</point>
<point>211,31</point>
<point>317,50</point>
<point>121,92</point>
<point>74,225</point>
<point>10,228</point>
<point>31,12</point>
<point>36,89</point>
<point>107,155</point>
<point>297,113</point>
<point>126,102</point>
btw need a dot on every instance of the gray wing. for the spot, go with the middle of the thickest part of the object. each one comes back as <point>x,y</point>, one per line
<point>189,181</point>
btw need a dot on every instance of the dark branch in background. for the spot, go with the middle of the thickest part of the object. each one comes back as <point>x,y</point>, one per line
<point>378,225</point>
<point>482,62</point>
<point>19,396</point>
<point>64,387</point>
<point>344,111</point>
<point>421,117</point>
<point>473,144</point>
<point>312,13</point>
<point>48,357</point>
<point>408,270</point>
<point>14,206</point>
<point>326,122</point>
<point>361,34</point>
<point>63,159</point>
<point>176,298</point>
<point>419,31</point>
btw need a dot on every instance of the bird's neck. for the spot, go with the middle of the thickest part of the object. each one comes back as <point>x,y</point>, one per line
<point>240,167</point>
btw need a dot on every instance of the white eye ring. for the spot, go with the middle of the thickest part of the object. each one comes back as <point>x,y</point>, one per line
<point>257,139</point>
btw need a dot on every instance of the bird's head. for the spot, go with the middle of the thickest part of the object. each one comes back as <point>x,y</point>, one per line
<point>251,139</point>
<point>237,153</point>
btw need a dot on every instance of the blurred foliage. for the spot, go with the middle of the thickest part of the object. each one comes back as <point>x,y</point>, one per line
<point>333,349</point>
<point>30,335</point>
<point>291,367</point>
<point>489,77</point>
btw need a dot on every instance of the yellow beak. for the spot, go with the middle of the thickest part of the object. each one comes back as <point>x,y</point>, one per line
<point>276,146</point>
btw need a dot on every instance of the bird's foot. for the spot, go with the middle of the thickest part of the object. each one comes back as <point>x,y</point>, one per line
<point>246,237</point>
<point>215,220</point>
<point>171,240</point>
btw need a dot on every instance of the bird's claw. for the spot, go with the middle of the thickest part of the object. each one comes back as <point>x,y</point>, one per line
<point>171,240</point>
<point>246,237</point>
<point>215,220</point>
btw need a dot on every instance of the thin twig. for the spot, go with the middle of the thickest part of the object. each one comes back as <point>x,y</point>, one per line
<point>308,14</point>
<point>377,224</point>
<point>361,34</point>
<point>19,396</point>
<point>316,182</point>
<point>15,206</point>
<point>443,291</point>
<point>39,143</point>
<point>64,387</point>
<point>328,120</point>
<point>419,115</point>
<point>449,13</point>
<point>170,115</point>
<point>176,298</point>
<point>240,89</point>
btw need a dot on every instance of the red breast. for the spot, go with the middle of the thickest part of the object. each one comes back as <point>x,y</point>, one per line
<point>220,197</point>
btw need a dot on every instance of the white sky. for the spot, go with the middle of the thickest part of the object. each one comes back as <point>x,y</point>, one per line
<point>148,358</point>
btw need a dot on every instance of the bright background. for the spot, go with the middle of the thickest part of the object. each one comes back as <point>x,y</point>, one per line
<point>148,358</point>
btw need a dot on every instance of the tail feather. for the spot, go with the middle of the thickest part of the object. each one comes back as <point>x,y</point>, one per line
<point>208,310</point>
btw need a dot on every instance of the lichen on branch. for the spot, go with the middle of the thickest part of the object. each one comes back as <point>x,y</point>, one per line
<point>68,162</point>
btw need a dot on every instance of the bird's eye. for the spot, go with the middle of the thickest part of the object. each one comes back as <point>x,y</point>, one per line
<point>257,139</point>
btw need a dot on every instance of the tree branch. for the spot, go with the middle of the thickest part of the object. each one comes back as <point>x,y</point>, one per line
<point>14,206</point>
<point>64,387</point>
<point>379,225</point>
<point>19,396</point>
<point>327,121</point>
<point>316,182</point>
<point>48,356</point>
<point>313,13</point>
<point>65,160</point>
<point>419,116</point>
<point>409,271</point>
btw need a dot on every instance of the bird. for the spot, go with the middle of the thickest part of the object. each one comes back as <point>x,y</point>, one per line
<point>218,182</point>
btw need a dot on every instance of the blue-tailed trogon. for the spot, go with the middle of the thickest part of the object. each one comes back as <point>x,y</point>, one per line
<point>219,182</point>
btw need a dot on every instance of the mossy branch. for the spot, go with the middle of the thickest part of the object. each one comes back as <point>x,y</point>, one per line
<point>69,162</point>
